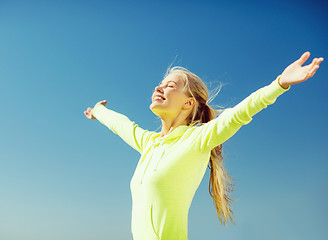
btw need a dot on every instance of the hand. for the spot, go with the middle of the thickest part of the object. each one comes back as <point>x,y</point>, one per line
<point>295,73</point>
<point>88,114</point>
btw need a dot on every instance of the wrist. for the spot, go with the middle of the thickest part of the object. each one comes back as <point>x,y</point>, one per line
<point>282,84</point>
<point>95,109</point>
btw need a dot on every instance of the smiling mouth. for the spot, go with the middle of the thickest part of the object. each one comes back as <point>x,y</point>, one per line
<point>156,98</point>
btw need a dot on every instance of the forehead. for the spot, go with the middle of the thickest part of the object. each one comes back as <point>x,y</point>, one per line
<point>174,77</point>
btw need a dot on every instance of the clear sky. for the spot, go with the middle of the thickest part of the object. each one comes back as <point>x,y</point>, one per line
<point>63,176</point>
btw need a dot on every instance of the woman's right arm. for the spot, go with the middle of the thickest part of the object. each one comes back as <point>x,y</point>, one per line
<point>119,124</point>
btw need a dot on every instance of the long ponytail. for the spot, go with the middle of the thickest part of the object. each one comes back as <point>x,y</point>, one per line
<point>220,185</point>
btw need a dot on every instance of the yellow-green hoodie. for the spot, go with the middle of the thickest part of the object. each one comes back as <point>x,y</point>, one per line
<point>171,168</point>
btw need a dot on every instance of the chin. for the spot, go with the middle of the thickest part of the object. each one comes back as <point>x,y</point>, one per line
<point>154,105</point>
<point>153,108</point>
<point>156,109</point>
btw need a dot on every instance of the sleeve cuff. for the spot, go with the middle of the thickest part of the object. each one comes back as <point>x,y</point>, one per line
<point>279,86</point>
<point>97,109</point>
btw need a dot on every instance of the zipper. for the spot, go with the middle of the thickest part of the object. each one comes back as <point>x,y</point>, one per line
<point>156,144</point>
<point>147,163</point>
<point>160,158</point>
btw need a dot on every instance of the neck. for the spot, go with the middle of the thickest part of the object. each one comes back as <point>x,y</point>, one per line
<point>168,125</point>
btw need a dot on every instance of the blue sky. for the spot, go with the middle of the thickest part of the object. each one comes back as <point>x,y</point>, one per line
<point>63,176</point>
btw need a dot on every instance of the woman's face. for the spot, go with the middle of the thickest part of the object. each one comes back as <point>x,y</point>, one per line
<point>169,98</point>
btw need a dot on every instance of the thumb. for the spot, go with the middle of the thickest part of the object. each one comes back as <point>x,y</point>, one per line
<point>104,102</point>
<point>303,58</point>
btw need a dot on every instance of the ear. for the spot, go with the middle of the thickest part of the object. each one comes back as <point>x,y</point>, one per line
<point>189,103</point>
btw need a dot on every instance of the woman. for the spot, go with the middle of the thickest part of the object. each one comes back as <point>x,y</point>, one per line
<point>173,162</point>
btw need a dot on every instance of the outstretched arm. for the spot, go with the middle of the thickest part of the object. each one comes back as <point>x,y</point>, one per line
<point>229,122</point>
<point>121,125</point>
<point>295,73</point>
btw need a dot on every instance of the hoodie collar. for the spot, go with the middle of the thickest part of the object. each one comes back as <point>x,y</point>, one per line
<point>177,132</point>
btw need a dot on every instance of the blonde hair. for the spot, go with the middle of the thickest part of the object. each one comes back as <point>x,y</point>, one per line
<point>220,185</point>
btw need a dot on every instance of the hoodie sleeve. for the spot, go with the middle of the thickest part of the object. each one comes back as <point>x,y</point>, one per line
<point>218,130</point>
<point>121,125</point>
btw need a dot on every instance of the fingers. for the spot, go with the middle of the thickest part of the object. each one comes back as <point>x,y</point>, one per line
<point>88,114</point>
<point>320,60</point>
<point>303,58</point>
<point>316,62</point>
<point>314,66</point>
<point>313,71</point>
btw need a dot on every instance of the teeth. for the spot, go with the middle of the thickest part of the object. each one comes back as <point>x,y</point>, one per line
<point>158,98</point>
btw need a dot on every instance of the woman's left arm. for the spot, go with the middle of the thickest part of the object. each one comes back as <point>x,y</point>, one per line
<point>229,122</point>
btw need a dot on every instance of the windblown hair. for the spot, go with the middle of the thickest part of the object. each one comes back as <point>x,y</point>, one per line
<point>220,185</point>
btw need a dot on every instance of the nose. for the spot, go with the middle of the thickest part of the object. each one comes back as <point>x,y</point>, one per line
<point>158,89</point>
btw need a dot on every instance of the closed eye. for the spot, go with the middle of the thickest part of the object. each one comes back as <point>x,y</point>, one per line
<point>169,84</point>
